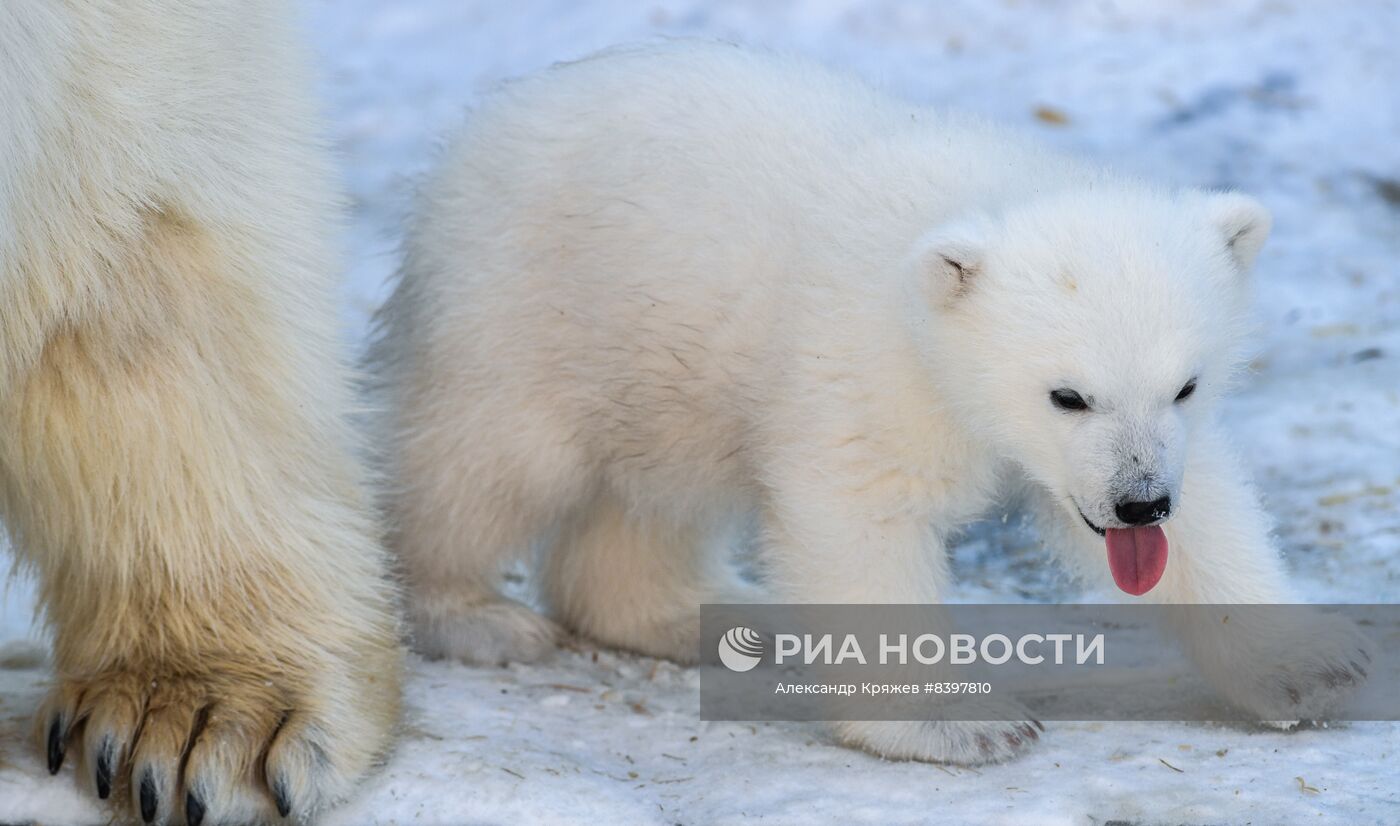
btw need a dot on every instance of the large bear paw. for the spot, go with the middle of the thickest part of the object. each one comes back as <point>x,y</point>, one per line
<point>231,745</point>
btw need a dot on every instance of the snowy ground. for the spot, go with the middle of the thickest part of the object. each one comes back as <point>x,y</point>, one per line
<point>1287,100</point>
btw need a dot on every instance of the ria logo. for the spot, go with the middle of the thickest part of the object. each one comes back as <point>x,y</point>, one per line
<point>740,648</point>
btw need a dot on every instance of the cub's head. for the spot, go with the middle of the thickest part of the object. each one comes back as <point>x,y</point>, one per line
<point>1087,334</point>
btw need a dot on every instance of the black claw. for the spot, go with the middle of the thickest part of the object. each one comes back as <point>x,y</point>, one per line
<point>55,745</point>
<point>281,798</point>
<point>148,797</point>
<point>194,810</point>
<point>104,769</point>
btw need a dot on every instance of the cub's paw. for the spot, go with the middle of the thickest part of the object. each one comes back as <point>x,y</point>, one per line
<point>673,638</point>
<point>1308,676</point>
<point>491,632</point>
<point>668,629</point>
<point>959,742</point>
<point>230,746</point>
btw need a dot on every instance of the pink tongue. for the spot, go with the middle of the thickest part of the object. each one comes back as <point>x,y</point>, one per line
<point>1137,557</point>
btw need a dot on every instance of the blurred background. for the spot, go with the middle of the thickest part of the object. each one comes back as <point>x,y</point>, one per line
<point>1294,102</point>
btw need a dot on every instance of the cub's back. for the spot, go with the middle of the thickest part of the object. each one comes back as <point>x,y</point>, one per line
<point>625,227</point>
<point>650,236</point>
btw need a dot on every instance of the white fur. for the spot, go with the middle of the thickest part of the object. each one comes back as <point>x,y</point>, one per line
<point>658,290</point>
<point>176,462</point>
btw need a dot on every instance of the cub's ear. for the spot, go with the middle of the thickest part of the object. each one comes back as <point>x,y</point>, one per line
<point>1243,224</point>
<point>950,259</point>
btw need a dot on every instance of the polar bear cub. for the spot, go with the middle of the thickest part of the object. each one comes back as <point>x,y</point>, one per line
<point>655,293</point>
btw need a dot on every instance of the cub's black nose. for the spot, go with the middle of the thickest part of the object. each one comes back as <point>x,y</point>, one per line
<point>1144,513</point>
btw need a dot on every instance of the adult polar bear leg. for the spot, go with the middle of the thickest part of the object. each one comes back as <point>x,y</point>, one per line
<point>823,545</point>
<point>1220,553</point>
<point>175,461</point>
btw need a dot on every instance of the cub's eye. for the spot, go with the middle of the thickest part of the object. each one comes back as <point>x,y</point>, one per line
<point>1068,400</point>
<point>1186,391</point>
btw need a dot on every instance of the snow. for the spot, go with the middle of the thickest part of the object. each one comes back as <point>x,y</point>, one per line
<point>1293,102</point>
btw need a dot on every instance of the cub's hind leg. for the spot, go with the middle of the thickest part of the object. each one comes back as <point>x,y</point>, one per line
<point>636,580</point>
<point>473,491</point>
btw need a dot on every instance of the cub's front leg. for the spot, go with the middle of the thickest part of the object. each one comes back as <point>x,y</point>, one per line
<point>1277,664</point>
<point>835,534</point>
